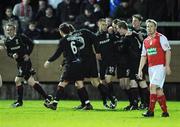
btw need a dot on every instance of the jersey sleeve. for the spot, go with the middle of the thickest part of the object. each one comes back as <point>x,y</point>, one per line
<point>29,43</point>
<point>57,53</point>
<point>95,40</point>
<point>143,52</point>
<point>164,43</point>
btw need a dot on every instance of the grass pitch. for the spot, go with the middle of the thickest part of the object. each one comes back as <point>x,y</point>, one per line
<point>34,114</point>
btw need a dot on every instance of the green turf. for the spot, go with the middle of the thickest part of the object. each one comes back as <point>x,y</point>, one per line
<point>33,114</point>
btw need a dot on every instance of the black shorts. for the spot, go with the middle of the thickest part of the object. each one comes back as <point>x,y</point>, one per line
<point>90,67</point>
<point>25,69</point>
<point>134,66</point>
<point>106,69</point>
<point>123,71</point>
<point>72,72</point>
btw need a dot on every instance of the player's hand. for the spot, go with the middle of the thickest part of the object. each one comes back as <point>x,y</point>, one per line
<point>168,70</point>
<point>139,75</point>
<point>15,55</point>
<point>26,57</point>
<point>98,56</point>
<point>46,64</point>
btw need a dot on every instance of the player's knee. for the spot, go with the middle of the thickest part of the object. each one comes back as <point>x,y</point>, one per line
<point>152,89</point>
<point>63,84</point>
<point>95,82</point>
<point>143,84</point>
<point>159,91</point>
<point>108,78</point>
<point>17,81</point>
<point>32,82</point>
<point>123,84</point>
<point>79,85</point>
<point>133,84</point>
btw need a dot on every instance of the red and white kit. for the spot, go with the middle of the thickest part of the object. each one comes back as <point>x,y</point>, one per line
<point>154,49</point>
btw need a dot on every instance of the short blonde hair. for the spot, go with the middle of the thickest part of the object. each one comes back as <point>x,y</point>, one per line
<point>151,21</point>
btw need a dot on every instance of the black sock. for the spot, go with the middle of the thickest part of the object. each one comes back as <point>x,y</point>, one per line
<point>145,96</point>
<point>20,93</point>
<point>59,93</point>
<point>135,96</point>
<point>111,88</point>
<point>83,95</point>
<point>103,92</point>
<point>40,90</point>
<point>128,93</point>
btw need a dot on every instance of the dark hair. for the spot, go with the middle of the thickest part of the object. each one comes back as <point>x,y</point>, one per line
<point>71,28</point>
<point>90,9</point>
<point>65,28</point>
<point>122,24</point>
<point>11,25</point>
<point>33,22</point>
<point>9,7</point>
<point>115,21</point>
<point>138,16</point>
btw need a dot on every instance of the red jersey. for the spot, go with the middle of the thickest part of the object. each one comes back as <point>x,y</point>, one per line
<point>155,48</point>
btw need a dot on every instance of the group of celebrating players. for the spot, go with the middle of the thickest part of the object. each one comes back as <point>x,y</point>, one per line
<point>115,48</point>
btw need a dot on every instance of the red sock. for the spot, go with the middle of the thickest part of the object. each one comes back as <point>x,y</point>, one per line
<point>162,102</point>
<point>153,99</point>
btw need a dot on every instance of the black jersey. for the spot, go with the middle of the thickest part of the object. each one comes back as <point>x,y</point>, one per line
<point>69,46</point>
<point>106,46</point>
<point>88,39</point>
<point>133,46</point>
<point>121,53</point>
<point>20,44</point>
<point>142,32</point>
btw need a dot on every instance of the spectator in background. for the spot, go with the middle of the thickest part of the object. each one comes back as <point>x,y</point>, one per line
<point>65,11</point>
<point>42,4</point>
<point>86,20</point>
<point>77,6</point>
<point>124,11</point>
<point>48,24</point>
<point>24,11</point>
<point>33,32</point>
<point>98,12</point>
<point>141,7</point>
<point>86,4</point>
<point>10,18</point>
<point>54,3</point>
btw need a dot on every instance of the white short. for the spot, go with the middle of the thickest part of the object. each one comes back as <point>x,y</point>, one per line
<point>157,75</point>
